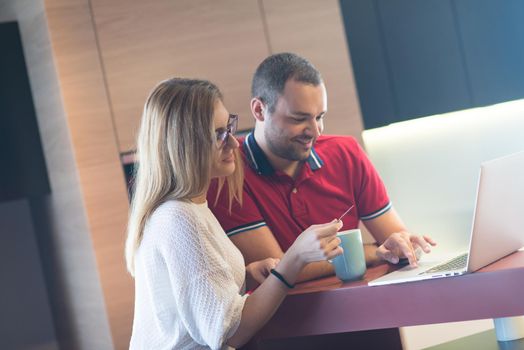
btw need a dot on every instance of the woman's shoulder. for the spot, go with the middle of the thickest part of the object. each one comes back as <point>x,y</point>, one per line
<point>173,216</point>
<point>173,206</point>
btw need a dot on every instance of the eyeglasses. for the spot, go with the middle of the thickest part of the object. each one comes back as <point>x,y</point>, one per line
<point>231,128</point>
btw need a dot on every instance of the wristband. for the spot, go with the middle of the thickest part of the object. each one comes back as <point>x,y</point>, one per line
<point>282,279</point>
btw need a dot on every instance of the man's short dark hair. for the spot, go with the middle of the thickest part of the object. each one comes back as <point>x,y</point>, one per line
<point>273,73</point>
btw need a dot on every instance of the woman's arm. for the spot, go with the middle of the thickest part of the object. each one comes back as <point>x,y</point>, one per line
<point>315,244</point>
<point>264,301</point>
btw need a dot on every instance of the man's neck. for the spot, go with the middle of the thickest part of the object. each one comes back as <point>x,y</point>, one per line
<point>289,167</point>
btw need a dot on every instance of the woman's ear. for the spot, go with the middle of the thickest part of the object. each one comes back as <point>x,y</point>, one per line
<point>257,109</point>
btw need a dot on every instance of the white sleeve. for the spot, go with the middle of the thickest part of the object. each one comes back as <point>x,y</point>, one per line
<point>208,300</point>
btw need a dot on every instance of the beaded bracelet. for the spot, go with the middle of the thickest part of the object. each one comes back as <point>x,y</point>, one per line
<point>282,279</point>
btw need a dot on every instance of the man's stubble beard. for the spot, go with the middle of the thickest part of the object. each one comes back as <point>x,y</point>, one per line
<point>285,149</point>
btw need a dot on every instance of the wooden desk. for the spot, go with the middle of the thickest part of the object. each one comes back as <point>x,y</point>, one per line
<point>329,306</point>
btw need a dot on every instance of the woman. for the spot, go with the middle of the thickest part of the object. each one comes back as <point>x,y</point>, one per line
<point>189,277</point>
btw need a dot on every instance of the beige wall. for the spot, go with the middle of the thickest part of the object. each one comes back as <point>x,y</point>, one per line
<point>142,43</point>
<point>314,29</point>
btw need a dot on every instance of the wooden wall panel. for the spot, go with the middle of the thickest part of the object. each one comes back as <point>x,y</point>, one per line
<point>314,29</point>
<point>102,182</point>
<point>144,42</point>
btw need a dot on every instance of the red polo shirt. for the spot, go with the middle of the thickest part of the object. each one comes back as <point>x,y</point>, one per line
<point>337,175</point>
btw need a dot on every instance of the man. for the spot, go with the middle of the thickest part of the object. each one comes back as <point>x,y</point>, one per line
<point>294,177</point>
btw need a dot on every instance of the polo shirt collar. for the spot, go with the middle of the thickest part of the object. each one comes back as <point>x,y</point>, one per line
<point>259,162</point>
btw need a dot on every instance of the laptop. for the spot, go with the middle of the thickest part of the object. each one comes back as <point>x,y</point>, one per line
<point>497,229</point>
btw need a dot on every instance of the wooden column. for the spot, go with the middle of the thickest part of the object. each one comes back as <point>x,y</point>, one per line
<point>86,104</point>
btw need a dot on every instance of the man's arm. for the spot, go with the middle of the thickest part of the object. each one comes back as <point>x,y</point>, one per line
<point>394,239</point>
<point>384,225</point>
<point>260,243</point>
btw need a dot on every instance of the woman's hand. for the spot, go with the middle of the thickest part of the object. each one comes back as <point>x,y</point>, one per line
<point>258,271</point>
<point>317,243</point>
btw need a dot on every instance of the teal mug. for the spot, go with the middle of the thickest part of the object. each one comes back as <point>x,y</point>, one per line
<point>350,265</point>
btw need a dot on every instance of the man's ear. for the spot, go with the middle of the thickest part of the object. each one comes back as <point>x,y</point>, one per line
<point>257,109</point>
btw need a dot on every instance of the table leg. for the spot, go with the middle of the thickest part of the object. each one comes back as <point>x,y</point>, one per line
<point>509,328</point>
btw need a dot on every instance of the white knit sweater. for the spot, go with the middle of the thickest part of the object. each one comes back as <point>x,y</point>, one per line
<point>189,281</point>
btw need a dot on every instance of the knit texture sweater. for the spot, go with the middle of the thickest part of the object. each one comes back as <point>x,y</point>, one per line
<point>189,281</point>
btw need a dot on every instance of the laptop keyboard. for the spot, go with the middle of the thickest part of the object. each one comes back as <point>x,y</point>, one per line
<point>457,263</point>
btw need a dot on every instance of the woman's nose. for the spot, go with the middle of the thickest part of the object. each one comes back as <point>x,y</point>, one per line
<point>231,141</point>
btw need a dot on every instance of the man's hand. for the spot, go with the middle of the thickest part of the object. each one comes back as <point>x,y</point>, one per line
<point>403,244</point>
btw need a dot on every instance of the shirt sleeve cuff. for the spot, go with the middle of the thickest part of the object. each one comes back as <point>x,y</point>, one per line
<point>234,319</point>
<point>246,227</point>
<point>377,213</point>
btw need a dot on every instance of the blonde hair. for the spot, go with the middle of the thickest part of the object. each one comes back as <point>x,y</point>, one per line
<point>174,151</point>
